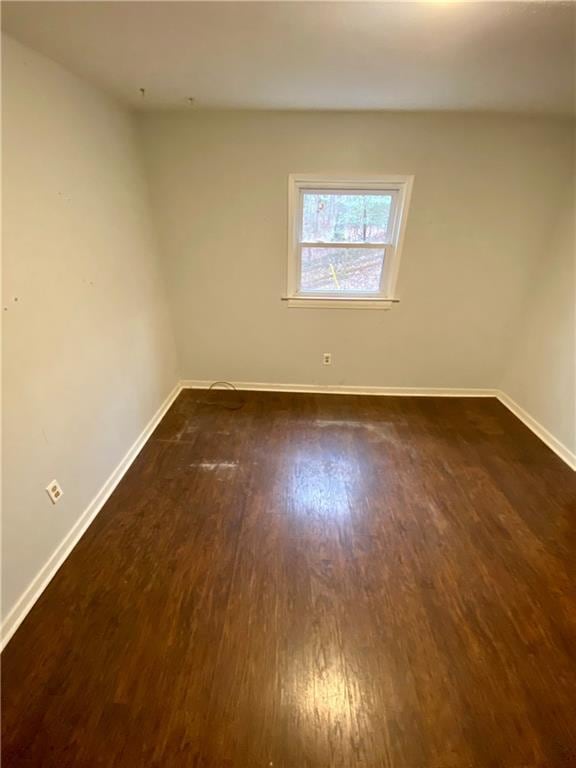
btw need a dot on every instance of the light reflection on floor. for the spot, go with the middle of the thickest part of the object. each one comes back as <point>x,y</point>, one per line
<point>322,486</point>
<point>321,696</point>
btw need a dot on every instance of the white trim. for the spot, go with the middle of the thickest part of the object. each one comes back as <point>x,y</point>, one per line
<point>318,302</point>
<point>401,189</point>
<point>547,437</point>
<point>350,246</point>
<point>24,604</point>
<point>345,389</point>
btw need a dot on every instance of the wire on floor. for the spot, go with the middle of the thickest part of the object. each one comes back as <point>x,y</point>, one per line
<point>226,386</point>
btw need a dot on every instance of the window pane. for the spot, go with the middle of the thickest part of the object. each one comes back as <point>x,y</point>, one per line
<point>353,270</point>
<point>345,218</point>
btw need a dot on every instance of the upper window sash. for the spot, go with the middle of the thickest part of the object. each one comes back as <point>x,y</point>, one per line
<point>341,191</point>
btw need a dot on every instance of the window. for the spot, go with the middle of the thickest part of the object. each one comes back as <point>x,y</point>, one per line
<point>345,239</point>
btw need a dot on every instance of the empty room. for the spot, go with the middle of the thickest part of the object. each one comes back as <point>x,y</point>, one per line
<point>289,384</point>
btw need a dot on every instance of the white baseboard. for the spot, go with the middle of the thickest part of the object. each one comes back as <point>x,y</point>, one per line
<point>18,613</point>
<point>346,389</point>
<point>547,437</point>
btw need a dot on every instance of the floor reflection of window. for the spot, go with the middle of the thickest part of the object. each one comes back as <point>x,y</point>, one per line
<point>322,486</point>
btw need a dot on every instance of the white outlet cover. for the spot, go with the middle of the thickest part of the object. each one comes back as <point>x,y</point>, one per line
<point>54,491</point>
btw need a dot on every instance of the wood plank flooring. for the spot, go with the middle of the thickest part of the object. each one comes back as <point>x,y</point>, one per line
<point>312,581</point>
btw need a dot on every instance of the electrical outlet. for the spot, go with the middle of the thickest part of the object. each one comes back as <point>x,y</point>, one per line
<point>327,358</point>
<point>54,491</point>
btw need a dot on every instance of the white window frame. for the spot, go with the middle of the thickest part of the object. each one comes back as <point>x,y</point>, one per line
<point>401,189</point>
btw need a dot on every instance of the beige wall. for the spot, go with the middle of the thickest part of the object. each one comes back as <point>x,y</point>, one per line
<point>88,354</point>
<point>486,193</point>
<point>540,368</point>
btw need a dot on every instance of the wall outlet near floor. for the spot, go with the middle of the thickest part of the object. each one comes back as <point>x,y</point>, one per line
<point>54,491</point>
<point>327,358</point>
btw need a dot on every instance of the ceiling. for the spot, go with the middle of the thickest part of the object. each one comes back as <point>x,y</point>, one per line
<point>494,56</point>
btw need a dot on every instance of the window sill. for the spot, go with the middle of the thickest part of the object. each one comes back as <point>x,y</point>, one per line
<point>315,302</point>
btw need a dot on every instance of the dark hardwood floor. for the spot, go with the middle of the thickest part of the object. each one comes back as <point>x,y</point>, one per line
<point>311,582</point>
